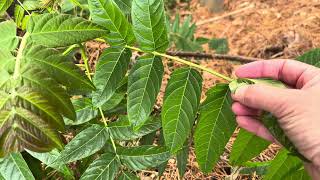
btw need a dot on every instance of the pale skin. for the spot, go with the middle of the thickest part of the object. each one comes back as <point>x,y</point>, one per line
<point>297,108</point>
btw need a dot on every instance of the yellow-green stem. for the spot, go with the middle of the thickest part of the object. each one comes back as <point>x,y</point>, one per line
<point>177,59</point>
<point>85,60</point>
<point>19,56</point>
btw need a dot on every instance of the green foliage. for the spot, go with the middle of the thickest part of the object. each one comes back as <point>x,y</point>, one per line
<point>110,71</point>
<point>122,129</point>
<point>311,57</point>
<point>149,24</point>
<point>182,159</point>
<point>9,40</point>
<point>107,14</point>
<point>246,147</point>
<point>50,159</point>
<point>4,5</point>
<point>47,29</point>
<point>86,143</point>
<point>181,102</point>
<point>220,46</point>
<point>144,84</point>
<point>105,167</point>
<point>38,81</point>
<point>143,157</point>
<point>14,167</point>
<point>215,127</point>
<point>279,168</point>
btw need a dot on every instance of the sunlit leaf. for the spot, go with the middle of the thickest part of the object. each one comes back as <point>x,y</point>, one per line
<point>9,40</point>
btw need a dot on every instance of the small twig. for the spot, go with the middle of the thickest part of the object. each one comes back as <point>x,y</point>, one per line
<point>237,58</point>
<point>225,15</point>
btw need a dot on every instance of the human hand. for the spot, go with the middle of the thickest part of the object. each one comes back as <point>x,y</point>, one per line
<point>297,109</point>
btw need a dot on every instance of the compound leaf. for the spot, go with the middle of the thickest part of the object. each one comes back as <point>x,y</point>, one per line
<point>181,102</point>
<point>149,24</point>
<point>311,57</point>
<point>143,87</point>
<point>105,167</point>
<point>283,165</point>
<point>14,166</point>
<point>143,157</point>
<point>215,127</point>
<point>9,40</point>
<point>107,14</point>
<point>48,30</point>
<point>246,147</point>
<point>86,143</point>
<point>110,71</point>
<point>122,130</point>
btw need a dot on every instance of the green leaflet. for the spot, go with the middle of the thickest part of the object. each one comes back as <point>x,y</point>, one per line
<point>7,61</point>
<point>311,57</point>
<point>110,71</point>
<point>219,45</point>
<point>34,132</point>
<point>48,30</point>
<point>107,14</point>
<point>215,127</point>
<point>51,89</point>
<point>149,24</point>
<point>143,87</point>
<point>14,167</point>
<point>259,168</point>
<point>142,157</point>
<point>106,167</point>
<point>268,119</point>
<point>8,30</point>
<point>86,143</point>
<point>4,5</point>
<point>56,66</point>
<point>118,97</point>
<point>127,176</point>
<point>50,158</point>
<point>181,102</point>
<point>84,111</point>
<point>182,159</point>
<point>282,165</point>
<point>122,130</point>
<point>149,138</point>
<point>246,147</point>
<point>124,5</point>
<point>298,175</point>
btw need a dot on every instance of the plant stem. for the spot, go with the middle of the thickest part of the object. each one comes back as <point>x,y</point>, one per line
<point>177,59</point>
<point>71,48</point>
<point>23,44</point>
<point>85,59</point>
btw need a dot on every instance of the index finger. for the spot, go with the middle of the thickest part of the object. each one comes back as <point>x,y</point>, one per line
<point>291,72</point>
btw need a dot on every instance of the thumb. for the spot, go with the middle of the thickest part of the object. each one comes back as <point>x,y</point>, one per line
<point>263,97</point>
